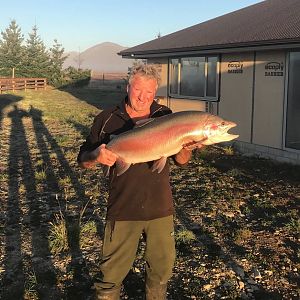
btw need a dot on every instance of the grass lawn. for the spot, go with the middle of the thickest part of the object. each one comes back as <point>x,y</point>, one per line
<point>237,218</point>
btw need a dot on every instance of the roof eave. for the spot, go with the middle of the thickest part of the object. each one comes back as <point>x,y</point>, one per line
<point>211,49</point>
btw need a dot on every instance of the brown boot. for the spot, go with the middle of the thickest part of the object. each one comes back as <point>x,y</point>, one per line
<point>108,294</point>
<point>155,291</point>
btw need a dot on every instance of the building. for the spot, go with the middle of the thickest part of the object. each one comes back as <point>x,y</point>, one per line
<point>242,66</point>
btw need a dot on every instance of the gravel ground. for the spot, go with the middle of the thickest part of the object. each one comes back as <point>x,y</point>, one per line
<point>237,219</point>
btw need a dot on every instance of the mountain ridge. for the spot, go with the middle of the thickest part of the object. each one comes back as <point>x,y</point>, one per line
<point>101,57</point>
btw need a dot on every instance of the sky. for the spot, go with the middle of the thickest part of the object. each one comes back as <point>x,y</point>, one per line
<point>80,24</point>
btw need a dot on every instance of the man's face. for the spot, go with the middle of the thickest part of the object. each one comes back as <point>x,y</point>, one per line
<point>141,93</point>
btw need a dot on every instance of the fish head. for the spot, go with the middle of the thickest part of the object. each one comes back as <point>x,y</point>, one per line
<point>216,130</point>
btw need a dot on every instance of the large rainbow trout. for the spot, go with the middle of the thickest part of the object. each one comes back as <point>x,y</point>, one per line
<point>158,138</point>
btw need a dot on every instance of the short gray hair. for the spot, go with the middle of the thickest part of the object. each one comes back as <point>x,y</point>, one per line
<point>145,70</point>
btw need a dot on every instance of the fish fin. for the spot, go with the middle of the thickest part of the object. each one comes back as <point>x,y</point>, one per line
<point>121,166</point>
<point>143,122</point>
<point>159,164</point>
<point>105,170</point>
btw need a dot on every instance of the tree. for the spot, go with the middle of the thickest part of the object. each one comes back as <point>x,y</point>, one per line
<point>34,60</point>
<point>11,50</point>
<point>57,59</point>
<point>37,58</point>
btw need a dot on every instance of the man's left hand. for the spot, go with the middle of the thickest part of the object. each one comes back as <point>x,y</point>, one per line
<point>183,156</point>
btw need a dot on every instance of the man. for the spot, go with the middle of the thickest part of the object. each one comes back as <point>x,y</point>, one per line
<point>140,201</point>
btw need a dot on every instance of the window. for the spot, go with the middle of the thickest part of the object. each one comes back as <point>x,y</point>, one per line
<point>194,77</point>
<point>292,138</point>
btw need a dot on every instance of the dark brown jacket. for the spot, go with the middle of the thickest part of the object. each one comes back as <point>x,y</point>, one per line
<point>139,194</point>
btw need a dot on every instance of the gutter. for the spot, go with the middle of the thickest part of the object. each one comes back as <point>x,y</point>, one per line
<point>209,50</point>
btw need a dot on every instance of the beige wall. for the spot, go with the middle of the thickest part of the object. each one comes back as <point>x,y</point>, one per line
<point>182,104</point>
<point>269,99</point>
<point>239,95</point>
<point>253,103</point>
<point>186,104</point>
<point>236,87</point>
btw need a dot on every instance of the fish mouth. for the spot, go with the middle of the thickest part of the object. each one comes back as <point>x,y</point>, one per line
<point>226,136</point>
<point>223,135</point>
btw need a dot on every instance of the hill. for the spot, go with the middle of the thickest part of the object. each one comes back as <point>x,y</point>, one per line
<point>102,58</point>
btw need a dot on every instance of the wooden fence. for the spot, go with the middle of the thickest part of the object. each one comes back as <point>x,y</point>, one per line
<point>14,84</point>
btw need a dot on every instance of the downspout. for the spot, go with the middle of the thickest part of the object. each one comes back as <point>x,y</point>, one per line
<point>168,83</point>
<point>219,82</point>
<point>253,98</point>
<point>285,100</point>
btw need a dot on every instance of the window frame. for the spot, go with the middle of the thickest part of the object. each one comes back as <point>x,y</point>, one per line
<point>202,98</point>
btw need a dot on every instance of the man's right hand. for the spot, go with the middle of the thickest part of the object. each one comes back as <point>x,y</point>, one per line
<point>105,156</point>
<point>99,155</point>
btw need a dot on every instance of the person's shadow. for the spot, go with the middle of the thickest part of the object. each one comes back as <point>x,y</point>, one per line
<point>29,208</point>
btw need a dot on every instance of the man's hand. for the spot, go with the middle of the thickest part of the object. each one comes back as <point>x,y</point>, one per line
<point>183,156</point>
<point>99,155</point>
<point>194,145</point>
<point>105,156</point>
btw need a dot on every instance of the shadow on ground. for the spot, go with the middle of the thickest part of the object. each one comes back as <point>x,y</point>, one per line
<point>30,207</point>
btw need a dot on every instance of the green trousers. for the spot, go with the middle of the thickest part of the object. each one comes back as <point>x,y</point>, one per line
<point>120,245</point>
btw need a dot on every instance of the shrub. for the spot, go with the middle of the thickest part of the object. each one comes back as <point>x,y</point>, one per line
<point>76,78</point>
<point>58,237</point>
<point>228,150</point>
<point>185,236</point>
<point>87,230</point>
<point>242,234</point>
